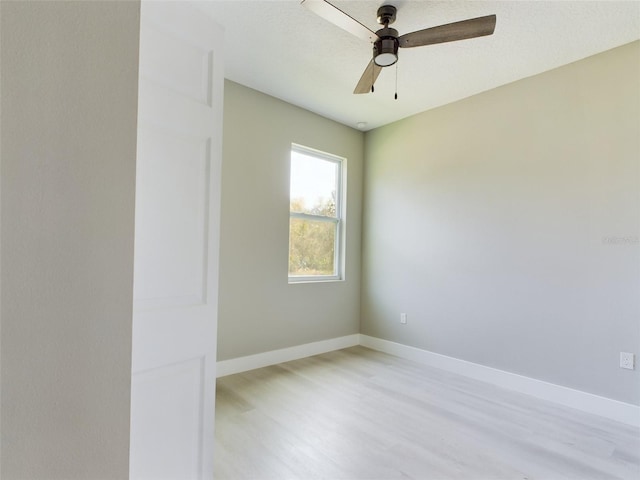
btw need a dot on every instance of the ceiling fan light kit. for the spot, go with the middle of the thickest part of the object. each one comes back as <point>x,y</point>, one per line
<point>386,40</point>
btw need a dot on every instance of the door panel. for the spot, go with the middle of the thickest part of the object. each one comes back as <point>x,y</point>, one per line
<point>174,201</point>
<point>180,388</point>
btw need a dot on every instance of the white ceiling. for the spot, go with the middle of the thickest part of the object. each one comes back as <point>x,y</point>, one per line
<point>280,48</point>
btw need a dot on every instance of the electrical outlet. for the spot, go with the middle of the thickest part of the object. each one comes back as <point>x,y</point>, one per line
<point>403,318</point>
<point>627,360</point>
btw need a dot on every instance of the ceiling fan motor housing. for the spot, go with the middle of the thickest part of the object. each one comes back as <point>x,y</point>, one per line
<point>385,48</point>
<point>386,15</point>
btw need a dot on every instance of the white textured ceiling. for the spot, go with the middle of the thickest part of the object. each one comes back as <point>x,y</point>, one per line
<point>280,48</point>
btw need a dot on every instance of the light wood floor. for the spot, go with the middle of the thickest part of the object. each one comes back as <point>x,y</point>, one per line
<point>361,414</point>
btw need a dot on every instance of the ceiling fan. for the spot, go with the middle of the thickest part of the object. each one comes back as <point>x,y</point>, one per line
<point>386,40</point>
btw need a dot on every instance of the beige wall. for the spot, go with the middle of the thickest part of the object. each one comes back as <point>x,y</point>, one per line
<point>69,106</point>
<point>506,226</point>
<point>259,310</point>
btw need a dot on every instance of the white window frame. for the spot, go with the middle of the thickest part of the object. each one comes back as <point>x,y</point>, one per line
<point>338,256</point>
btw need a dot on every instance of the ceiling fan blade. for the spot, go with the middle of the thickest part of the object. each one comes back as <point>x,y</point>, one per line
<point>475,27</point>
<point>368,78</point>
<point>336,16</point>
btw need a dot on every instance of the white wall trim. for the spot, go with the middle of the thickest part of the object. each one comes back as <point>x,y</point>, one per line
<point>259,360</point>
<point>587,402</point>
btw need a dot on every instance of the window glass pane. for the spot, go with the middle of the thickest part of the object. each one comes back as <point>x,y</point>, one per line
<point>311,247</point>
<point>313,185</point>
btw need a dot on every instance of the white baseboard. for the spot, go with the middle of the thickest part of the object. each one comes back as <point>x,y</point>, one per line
<point>587,402</point>
<point>259,360</point>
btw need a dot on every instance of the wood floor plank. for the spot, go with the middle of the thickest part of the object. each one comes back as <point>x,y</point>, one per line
<point>360,414</point>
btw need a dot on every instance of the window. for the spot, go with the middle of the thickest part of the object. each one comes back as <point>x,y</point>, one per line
<point>315,216</point>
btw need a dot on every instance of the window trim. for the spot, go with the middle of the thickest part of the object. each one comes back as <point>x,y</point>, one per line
<point>339,245</point>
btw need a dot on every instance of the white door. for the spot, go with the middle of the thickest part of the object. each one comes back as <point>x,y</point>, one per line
<point>176,243</point>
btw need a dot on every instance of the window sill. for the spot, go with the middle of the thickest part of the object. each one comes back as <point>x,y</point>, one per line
<point>295,280</point>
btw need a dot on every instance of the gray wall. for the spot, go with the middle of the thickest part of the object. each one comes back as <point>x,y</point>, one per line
<point>506,226</point>
<point>259,311</point>
<point>69,106</point>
